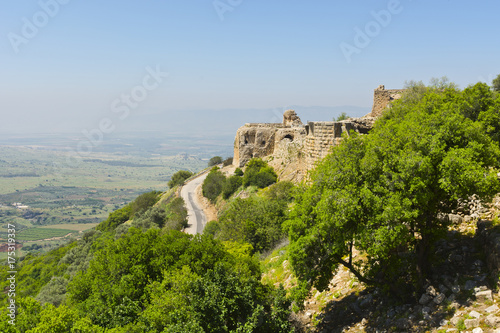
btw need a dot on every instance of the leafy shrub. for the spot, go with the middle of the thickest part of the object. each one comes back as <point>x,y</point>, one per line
<point>179,177</point>
<point>212,228</point>
<point>342,116</point>
<point>53,292</point>
<point>176,215</point>
<point>230,186</point>
<point>227,161</point>
<point>254,220</point>
<point>116,218</point>
<point>213,184</point>
<point>238,172</point>
<point>215,161</point>
<point>144,201</point>
<point>259,174</point>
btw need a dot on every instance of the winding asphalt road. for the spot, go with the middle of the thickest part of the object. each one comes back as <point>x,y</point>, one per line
<point>196,217</point>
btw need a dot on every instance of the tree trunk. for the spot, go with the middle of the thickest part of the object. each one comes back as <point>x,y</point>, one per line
<point>422,260</point>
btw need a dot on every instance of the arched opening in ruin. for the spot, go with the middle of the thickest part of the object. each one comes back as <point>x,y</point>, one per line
<point>289,137</point>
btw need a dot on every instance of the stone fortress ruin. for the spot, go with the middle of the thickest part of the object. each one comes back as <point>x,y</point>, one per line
<point>292,148</point>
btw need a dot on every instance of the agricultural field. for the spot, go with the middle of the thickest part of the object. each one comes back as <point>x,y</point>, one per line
<point>49,193</point>
<point>33,234</point>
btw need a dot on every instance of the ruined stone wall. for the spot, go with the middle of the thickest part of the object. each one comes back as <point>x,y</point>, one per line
<point>322,136</point>
<point>254,140</point>
<point>293,148</point>
<point>382,97</point>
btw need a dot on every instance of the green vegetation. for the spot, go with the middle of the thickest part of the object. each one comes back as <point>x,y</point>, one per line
<point>256,220</point>
<point>382,192</point>
<point>378,196</point>
<point>231,184</point>
<point>179,177</point>
<point>238,172</point>
<point>152,281</point>
<point>215,161</point>
<point>496,83</point>
<point>213,185</point>
<point>258,173</point>
<point>116,218</point>
<point>342,116</point>
<point>134,209</point>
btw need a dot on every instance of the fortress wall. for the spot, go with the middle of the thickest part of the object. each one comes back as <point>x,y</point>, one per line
<point>293,148</point>
<point>320,137</point>
<point>382,97</point>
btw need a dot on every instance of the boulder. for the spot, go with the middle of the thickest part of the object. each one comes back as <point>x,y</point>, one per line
<point>482,296</point>
<point>471,323</point>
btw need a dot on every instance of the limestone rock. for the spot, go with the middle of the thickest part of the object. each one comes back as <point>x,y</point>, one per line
<point>439,298</point>
<point>471,323</point>
<point>290,119</point>
<point>455,219</point>
<point>493,309</point>
<point>474,314</point>
<point>492,320</point>
<point>482,296</point>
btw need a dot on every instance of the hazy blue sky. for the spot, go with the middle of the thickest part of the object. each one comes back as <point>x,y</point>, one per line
<point>72,69</point>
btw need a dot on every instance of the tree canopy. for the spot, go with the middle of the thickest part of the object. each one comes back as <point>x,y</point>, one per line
<point>179,177</point>
<point>496,83</point>
<point>382,193</point>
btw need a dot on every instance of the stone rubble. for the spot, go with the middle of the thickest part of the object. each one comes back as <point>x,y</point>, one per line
<point>461,300</point>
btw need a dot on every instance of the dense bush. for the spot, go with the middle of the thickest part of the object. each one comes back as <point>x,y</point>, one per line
<point>176,218</point>
<point>227,161</point>
<point>116,218</point>
<point>230,186</point>
<point>144,202</point>
<point>255,220</point>
<point>170,282</point>
<point>179,177</point>
<point>215,161</point>
<point>213,184</point>
<point>259,174</point>
<point>238,172</point>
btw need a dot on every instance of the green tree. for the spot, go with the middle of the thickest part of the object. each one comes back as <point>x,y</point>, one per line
<point>213,185</point>
<point>496,83</point>
<point>144,201</point>
<point>215,161</point>
<point>476,99</point>
<point>116,218</point>
<point>383,192</point>
<point>179,177</point>
<point>176,218</point>
<point>212,228</point>
<point>230,186</point>
<point>255,220</point>
<point>238,172</point>
<point>259,174</point>
<point>342,116</point>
